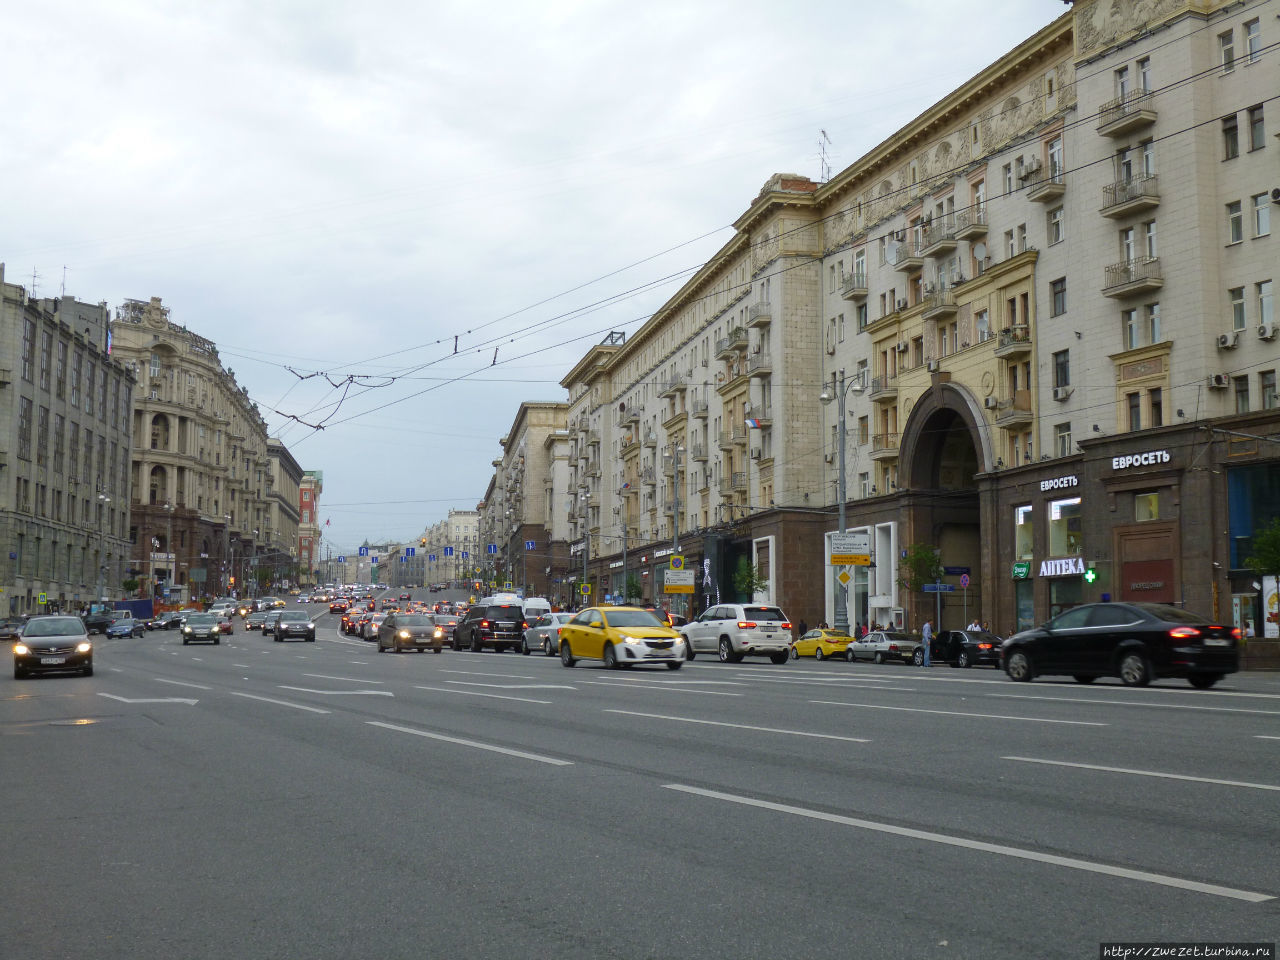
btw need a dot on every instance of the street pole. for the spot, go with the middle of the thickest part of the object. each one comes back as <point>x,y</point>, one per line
<point>103,500</point>
<point>626,590</point>
<point>675,503</point>
<point>840,595</point>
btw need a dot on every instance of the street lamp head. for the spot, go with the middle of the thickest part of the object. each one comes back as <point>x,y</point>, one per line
<point>856,386</point>
<point>825,397</point>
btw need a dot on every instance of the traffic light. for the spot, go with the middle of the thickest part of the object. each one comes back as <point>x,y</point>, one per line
<point>232,581</point>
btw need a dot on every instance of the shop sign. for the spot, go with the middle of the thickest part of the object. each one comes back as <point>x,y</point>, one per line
<point>1148,459</point>
<point>1062,568</point>
<point>1022,570</point>
<point>1059,483</point>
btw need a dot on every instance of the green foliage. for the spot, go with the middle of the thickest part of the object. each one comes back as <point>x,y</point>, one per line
<point>632,588</point>
<point>921,565</point>
<point>1265,558</point>
<point>129,586</point>
<point>747,580</point>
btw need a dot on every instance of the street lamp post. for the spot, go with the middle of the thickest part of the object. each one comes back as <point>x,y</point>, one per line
<point>103,500</point>
<point>676,450</point>
<point>586,542</point>
<point>842,386</point>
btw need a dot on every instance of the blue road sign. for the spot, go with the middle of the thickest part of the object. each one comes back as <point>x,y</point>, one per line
<point>529,544</point>
<point>410,551</point>
<point>431,557</point>
<point>955,571</point>
<point>404,559</point>
<point>342,559</point>
<point>491,548</point>
<point>374,560</point>
<point>465,555</point>
<point>939,588</point>
<point>364,551</point>
<point>448,552</point>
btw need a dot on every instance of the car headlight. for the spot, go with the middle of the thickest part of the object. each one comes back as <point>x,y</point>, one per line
<point>404,634</point>
<point>84,646</point>
<point>311,626</point>
<point>186,629</point>
<point>21,649</point>
<point>627,638</point>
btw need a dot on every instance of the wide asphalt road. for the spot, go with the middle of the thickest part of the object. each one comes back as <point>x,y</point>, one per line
<point>319,800</point>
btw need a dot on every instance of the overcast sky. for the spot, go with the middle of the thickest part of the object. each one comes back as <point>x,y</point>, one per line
<point>336,190</point>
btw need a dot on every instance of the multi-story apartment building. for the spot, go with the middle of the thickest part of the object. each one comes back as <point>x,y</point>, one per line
<point>447,549</point>
<point>309,529</point>
<point>280,540</point>
<point>65,439</point>
<point>1046,306</point>
<point>201,510</point>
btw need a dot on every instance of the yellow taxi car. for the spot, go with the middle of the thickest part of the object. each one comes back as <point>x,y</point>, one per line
<point>820,644</point>
<point>621,637</point>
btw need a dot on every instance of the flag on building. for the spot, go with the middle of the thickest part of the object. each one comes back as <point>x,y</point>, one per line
<point>753,424</point>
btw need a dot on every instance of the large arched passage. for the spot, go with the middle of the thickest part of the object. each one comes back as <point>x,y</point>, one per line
<point>945,448</point>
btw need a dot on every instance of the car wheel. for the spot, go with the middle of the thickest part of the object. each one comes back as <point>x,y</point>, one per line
<point>547,650</point>
<point>457,644</point>
<point>566,654</point>
<point>1018,666</point>
<point>1134,670</point>
<point>524,647</point>
<point>1084,677</point>
<point>879,656</point>
<point>217,641</point>
<point>185,641</point>
<point>675,664</point>
<point>1203,681</point>
<point>848,655</point>
<point>610,656</point>
<point>817,653</point>
<point>476,645</point>
<point>311,638</point>
<point>726,652</point>
<point>795,654</point>
<point>19,673</point>
<point>963,660</point>
<point>88,671</point>
<point>917,656</point>
<point>779,657</point>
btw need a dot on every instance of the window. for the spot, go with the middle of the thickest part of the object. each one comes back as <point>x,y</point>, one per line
<point>1055,157</point>
<point>1065,527</point>
<point>1257,131</point>
<point>46,358</point>
<point>1057,231</point>
<point>864,429</point>
<point>1122,82</point>
<point>1265,314</point>
<point>60,374</point>
<point>1227,50</point>
<point>1124,165</point>
<point>860,312</point>
<point>1253,40</point>
<point>1007,174</point>
<point>1058,297</point>
<point>28,350</point>
<point>1022,238</point>
<point>1235,222</point>
<point>1155,400</point>
<point>1267,390</point>
<point>1062,439</point>
<point>1023,539</point>
<point>1152,315</point>
<point>1134,403</point>
<point>1144,74</point>
<point>1149,237</point>
<point>1062,368</point>
<point>1148,158</point>
<point>1235,297</point>
<point>1230,138</point>
<point>1130,318</point>
<point>1009,250</point>
<point>840,323</point>
<point>1126,244</point>
<point>1240,387</point>
<point>982,324</point>
<point>24,428</point>
<point>1146,506</point>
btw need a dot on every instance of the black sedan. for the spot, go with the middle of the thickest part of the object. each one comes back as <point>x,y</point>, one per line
<point>167,621</point>
<point>293,623</point>
<point>1137,642</point>
<point>410,631</point>
<point>961,648</point>
<point>53,644</point>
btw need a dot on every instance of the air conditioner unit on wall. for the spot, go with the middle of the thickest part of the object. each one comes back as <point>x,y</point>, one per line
<point>902,304</point>
<point>990,403</point>
<point>934,366</point>
<point>1266,331</point>
<point>1228,341</point>
<point>901,346</point>
<point>1061,393</point>
<point>755,453</point>
<point>1219,381</point>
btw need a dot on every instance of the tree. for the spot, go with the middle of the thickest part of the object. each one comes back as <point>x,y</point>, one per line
<point>1265,558</point>
<point>747,580</point>
<point>919,566</point>
<point>631,588</point>
<point>129,585</point>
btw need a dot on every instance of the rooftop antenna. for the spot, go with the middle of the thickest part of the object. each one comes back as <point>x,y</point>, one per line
<point>824,166</point>
<point>63,294</point>
<point>35,279</point>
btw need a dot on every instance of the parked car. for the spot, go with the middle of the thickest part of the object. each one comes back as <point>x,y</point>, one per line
<point>735,630</point>
<point>499,624</point>
<point>821,643</point>
<point>126,627</point>
<point>202,626</point>
<point>961,648</point>
<point>544,633</point>
<point>621,637</point>
<point>882,645</point>
<point>410,631</point>
<point>1137,642</point>
<point>293,623</point>
<point>53,644</point>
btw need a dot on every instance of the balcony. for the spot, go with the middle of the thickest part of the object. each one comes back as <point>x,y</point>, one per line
<point>907,257</point>
<point>760,364</point>
<point>593,436</point>
<point>939,238</point>
<point>1132,277</point>
<point>628,417</point>
<point>854,287</point>
<point>699,409</point>
<point>883,388</point>
<point>1014,412</point>
<point>971,224</point>
<point>648,476</point>
<point>1046,185</point>
<point>629,444</point>
<point>726,440</point>
<point>762,415</point>
<point>884,446</point>
<point>738,481</point>
<point>676,385</point>
<point>1130,196</point>
<point>674,419</point>
<point>736,341</point>
<point>733,438</point>
<point>1013,341</point>
<point>593,468</point>
<point>760,314</point>
<point>650,438</point>
<point>698,453</point>
<point>940,304</point>
<point>1123,115</point>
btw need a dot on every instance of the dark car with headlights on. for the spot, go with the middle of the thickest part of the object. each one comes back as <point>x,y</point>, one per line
<point>53,644</point>
<point>1137,642</point>
<point>410,631</point>
<point>126,627</point>
<point>202,627</point>
<point>167,621</point>
<point>294,623</point>
<point>269,619</point>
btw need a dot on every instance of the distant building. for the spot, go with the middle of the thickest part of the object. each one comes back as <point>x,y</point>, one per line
<point>309,530</point>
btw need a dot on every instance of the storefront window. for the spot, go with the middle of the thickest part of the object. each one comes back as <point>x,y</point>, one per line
<point>1065,594</point>
<point>1022,539</point>
<point>1065,526</point>
<point>1146,506</point>
<point>1024,599</point>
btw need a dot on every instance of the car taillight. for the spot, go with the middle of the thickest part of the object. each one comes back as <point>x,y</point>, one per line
<point>1184,633</point>
<point>985,646</point>
<point>524,624</point>
<point>744,624</point>
<point>784,626</point>
<point>484,624</point>
<point>1235,633</point>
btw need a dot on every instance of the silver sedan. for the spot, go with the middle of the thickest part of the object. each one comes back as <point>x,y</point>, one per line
<point>544,634</point>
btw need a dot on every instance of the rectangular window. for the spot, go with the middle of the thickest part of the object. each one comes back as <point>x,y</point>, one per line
<point>1230,138</point>
<point>1148,158</point>
<point>1054,151</point>
<point>1062,368</point>
<point>1152,316</point>
<point>1057,231</point>
<point>1062,439</point>
<point>1124,165</point>
<point>840,323</point>
<point>24,428</point>
<point>1146,506</point>
<point>1257,129</point>
<point>1126,244</point>
<point>46,358</point>
<point>1009,250</point>
<point>1149,238</point>
<point>1267,390</point>
<point>982,325</point>
<point>1122,82</point>
<point>1240,387</point>
<point>1144,74</point>
<point>60,373</point>
<point>1235,222</point>
<point>1022,238</point>
<point>1023,537</point>
<point>860,311</point>
<point>28,350</point>
<point>1261,215</point>
<point>864,429</point>
<point>1227,50</point>
<point>1253,40</point>
<point>1134,403</point>
<point>1066,524</point>
<point>1265,313</point>
<point>1235,300</point>
<point>1131,330</point>
<point>1155,399</point>
<point>1058,297</point>
<point>1007,173</point>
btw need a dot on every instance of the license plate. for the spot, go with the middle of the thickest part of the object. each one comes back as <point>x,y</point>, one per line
<point>1217,642</point>
<point>52,661</point>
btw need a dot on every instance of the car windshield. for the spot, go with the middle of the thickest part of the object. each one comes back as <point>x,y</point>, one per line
<point>200,619</point>
<point>633,618</point>
<point>1169,614</point>
<point>763,613</point>
<point>293,616</point>
<point>445,618</point>
<point>414,620</point>
<point>897,636</point>
<point>505,613</point>
<point>54,627</point>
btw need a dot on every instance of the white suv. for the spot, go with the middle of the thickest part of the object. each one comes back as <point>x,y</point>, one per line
<point>735,630</point>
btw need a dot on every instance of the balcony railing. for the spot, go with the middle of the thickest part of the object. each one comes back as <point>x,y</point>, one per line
<point>882,387</point>
<point>1130,277</point>
<point>884,445</point>
<point>759,364</point>
<point>699,408</point>
<point>939,237</point>
<point>1131,196</point>
<point>1048,183</point>
<point>1133,110</point>
<point>939,303</point>
<point>1013,340</point>
<point>854,286</point>
<point>736,340</point>
<point>759,314</point>
<point>907,256</point>
<point>971,224</point>
<point>738,481</point>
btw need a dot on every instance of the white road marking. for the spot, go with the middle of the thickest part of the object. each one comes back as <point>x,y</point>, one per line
<point>996,848</point>
<point>514,686</point>
<point>325,676</point>
<point>678,683</point>
<point>822,682</point>
<point>341,693</point>
<point>242,666</point>
<point>741,726</point>
<point>477,693</point>
<point>555,761</point>
<point>665,689</point>
<point>1135,703</point>
<point>957,713</point>
<point>1263,736</point>
<point>1147,773</point>
<point>179,683</point>
<point>281,703</point>
<point>112,696</point>
<point>478,673</point>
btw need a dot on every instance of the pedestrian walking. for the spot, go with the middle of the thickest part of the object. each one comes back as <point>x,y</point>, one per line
<point>926,634</point>
<point>802,627</point>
